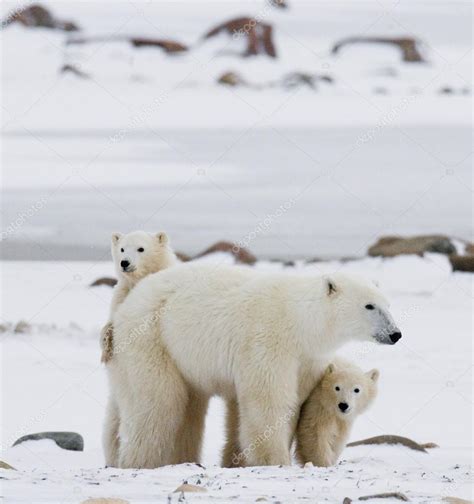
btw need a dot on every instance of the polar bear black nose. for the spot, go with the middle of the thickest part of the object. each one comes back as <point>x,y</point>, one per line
<point>125,264</point>
<point>394,337</point>
<point>343,406</point>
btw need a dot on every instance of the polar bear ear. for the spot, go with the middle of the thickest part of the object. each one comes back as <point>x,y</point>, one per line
<point>330,369</point>
<point>116,237</point>
<point>373,374</point>
<point>162,238</point>
<point>331,287</point>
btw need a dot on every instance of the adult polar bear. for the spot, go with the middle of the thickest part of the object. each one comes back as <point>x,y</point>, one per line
<point>260,340</point>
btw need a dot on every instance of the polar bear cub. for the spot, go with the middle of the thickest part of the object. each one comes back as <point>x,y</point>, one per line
<point>135,256</point>
<point>326,417</point>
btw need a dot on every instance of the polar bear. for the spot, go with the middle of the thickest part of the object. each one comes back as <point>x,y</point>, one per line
<point>326,417</point>
<point>257,339</point>
<point>135,256</point>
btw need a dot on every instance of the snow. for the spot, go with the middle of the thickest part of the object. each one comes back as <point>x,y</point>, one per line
<point>183,146</point>
<point>52,380</point>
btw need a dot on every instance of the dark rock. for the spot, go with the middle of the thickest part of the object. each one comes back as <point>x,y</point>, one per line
<point>295,79</point>
<point>74,70</point>
<point>66,440</point>
<point>232,79</point>
<point>282,4</point>
<point>409,47</point>
<point>104,281</point>
<point>462,263</point>
<point>241,254</point>
<point>259,35</point>
<point>169,46</point>
<point>36,16</point>
<point>183,257</point>
<point>446,90</point>
<point>391,246</point>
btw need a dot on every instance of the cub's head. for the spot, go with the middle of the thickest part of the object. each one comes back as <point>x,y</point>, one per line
<point>346,390</point>
<point>359,310</point>
<point>139,253</point>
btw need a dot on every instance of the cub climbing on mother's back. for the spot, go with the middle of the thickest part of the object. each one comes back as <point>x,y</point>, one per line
<point>326,417</point>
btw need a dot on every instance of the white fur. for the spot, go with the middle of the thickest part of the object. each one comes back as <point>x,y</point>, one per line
<point>258,338</point>
<point>146,253</point>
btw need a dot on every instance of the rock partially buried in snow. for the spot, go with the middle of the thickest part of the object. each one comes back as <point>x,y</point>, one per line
<point>456,500</point>
<point>66,440</point>
<point>391,246</point>
<point>409,47</point>
<point>4,465</point>
<point>462,263</point>
<point>37,16</point>
<point>186,487</point>
<point>110,282</point>
<point>105,500</point>
<point>241,254</point>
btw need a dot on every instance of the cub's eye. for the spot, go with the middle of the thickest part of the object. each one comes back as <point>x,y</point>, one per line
<point>356,390</point>
<point>369,306</point>
<point>122,250</point>
<point>337,388</point>
<point>141,249</point>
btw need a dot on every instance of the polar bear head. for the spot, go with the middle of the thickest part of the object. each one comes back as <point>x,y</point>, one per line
<point>346,391</point>
<point>139,253</point>
<point>358,310</point>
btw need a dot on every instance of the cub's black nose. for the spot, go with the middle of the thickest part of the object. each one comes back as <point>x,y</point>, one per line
<point>343,406</point>
<point>125,264</point>
<point>394,337</point>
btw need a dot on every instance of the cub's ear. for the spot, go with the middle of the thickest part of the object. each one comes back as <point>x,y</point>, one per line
<point>331,288</point>
<point>373,374</point>
<point>162,238</point>
<point>116,237</point>
<point>330,369</point>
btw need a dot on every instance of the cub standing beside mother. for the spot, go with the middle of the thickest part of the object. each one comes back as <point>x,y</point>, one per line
<point>259,340</point>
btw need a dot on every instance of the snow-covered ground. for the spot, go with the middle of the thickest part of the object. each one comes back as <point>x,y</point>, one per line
<point>52,380</point>
<point>151,140</point>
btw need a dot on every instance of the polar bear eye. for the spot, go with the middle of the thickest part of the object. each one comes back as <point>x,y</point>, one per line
<point>122,250</point>
<point>141,249</point>
<point>369,306</point>
<point>356,390</point>
<point>337,388</point>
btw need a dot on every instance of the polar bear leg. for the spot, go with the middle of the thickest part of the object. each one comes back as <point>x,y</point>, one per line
<point>110,436</point>
<point>152,416</point>
<point>189,439</point>
<point>232,454</point>
<point>268,401</point>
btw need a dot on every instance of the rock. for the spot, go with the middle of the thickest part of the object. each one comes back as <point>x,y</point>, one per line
<point>111,282</point>
<point>392,439</point>
<point>391,246</point>
<point>4,465</point>
<point>295,79</point>
<point>105,500</point>
<point>5,327</point>
<point>282,4</point>
<point>74,70</point>
<point>259,35</point>
<point>183,257</point>
<point>407,45</point>
<point>169,46</point>
<point>456,500</point>
<point>462,263</point>
<point>66,440</point>
<point>231,79</point>
<point>22,327</point>
<point>186,487</point>
<point>446,90</point>
<point>36,16</point>
<point>241,254</point>
<point>386,495</point>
